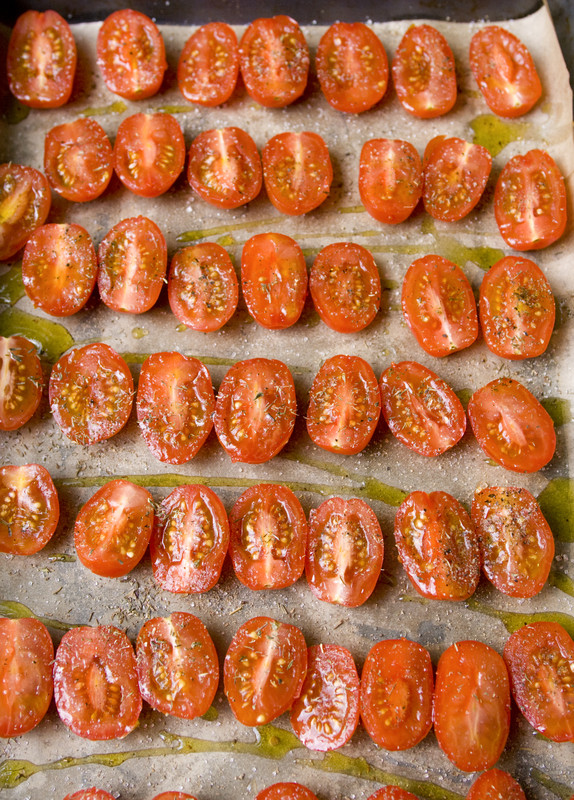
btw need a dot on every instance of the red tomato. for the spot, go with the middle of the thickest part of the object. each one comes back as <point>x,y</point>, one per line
<point>21,382</point>
<point>455,176</point>
<point>392,793</point>
<point>96,684</point>
<point>345,551</point>
<point>255,410</point>
<point>344,405</point>
<point>539,658</point>
<point>29,509</point>
<point>91,391</point>
<point>132,260</point>
<point>268,537</point>
<point>264,670</point>
<point>516,308</point>
<point>59,268</point>
<point>297,171</point>
<point>175,405</point>
<point>178,668</point>
<point>90,794</point>
<point>286,791</point>
<point>495,784</point>
<point>78,159</point>
<point>472,705</point>
<point>326,713</point>
<point>530,201</point>
<point>25,202</point>
<point>202,286</point>
<point>26,685</point>
<point>511,426</point>
<point>438,306</point>
<point>274,61</point>
<point>424,73</point>
<point>189,540</point>
<point>273,279</point>
<point>397,694</point>
<point>421,409</point>
<point>352,67</point>
<point>345,286</point>
<point>390,179</point>
<point>505,72</point>
<point>174,796</point>
<point>131,54</point>
<point>224,167</point>
<point>41,61</point>
<point>209,65</point>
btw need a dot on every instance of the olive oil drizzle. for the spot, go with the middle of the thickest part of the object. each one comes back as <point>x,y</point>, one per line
<point>561,581</point>
<point>557,503</point>
<point>11,286</point>
<point>559,789</point>
<point>495,134</point>
<point>53,338</point>
<point>514,620</point>
<point>14,610</point>
<point>117,107</point>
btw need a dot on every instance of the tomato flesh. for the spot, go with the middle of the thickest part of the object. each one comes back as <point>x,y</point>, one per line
<point>25,202</point>
<point>21,382</point>
<point>174,796</point>
<point>208,66</point>
<point>392,793</point>
<point>90,794</point>
<point>494,784</point>
<point>29,509</point>
<point>455,176</point>
<point>390,179</point>
<point>286,791</point>
<point>78,159</point>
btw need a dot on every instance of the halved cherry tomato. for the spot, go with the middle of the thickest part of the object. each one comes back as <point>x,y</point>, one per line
<point>113,529</point>
<point>424,72</point>
<point>202,286</point>
<point>178,668</point>
<point>174,796</point>
<point>78,159</point>
<point>495,784</point>
<point>345,286</point>
<point>175,405</point>
<point>208,66</point>
<point>297,171</point>
<point>268,537</point>
<point>255,410</point>
<point>390,179</point>
<point>25,201</point>
<point>421,409</point>
<point>131,54</point>
<point>438,306</point>
<point>264,670</point>
<point>26,685</point>
<point>392,793</point>
<point>438,546</point>
<point>286,791</point>
<point>326,713</point>
<point>352,67</point>
<point>511,426</point>
<point>472,705</point>
<point>189,540</point>
<point>91,391</point>
<point>345,551</point>
<point>397,694</point>
<point>90,794</point>
<point>274,61</point>
<point>273,279</point>
<point>21,382</point>
<point>455,176</point>
<point>344,405</point>
<point>530,201</point>
<point>539,658</point>
<point>59,268</point>
<point>224,167</point>
<point>41,61</point>
<point>96,683</point>
<point>29,509</point>
<point>516,308</point>
<point>132,260</point>
<point>505,72</point>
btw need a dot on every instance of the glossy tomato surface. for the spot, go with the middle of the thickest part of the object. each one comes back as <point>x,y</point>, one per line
<point>90,794</point>
<point>390,179</point>
<point>21,382</point>
<point>208,66</point>
<point>286,791</point>
<point>174,796</point>
<point>29,509</point>
<point>392,793</point>
<point>455,176</point>
<point>25,202</point>
<point>78,159</point>
<point>495,784</point>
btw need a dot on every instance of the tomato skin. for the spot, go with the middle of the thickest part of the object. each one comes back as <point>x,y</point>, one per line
<point>495,784</point>
<point>455,175</point>
<point>472,705</point>
<point>90,794</point>
<point>78,159</point>
<point>208,66</point>
<point>21,382</point>
<point>286,791</point>
<point>29,509</point>
<point>397,694</point>
<point>390,179</point>
<point>392,793</point>
<point>25,201</point>
<point>174,796</point>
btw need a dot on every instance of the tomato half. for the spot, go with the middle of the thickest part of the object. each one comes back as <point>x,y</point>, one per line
<point>90,794</point>
<point>25,201</point>
<point>174,796</point>
<point>208,66</point>
<point>96,684</point>
<point>131,54</point>
<point>438,306</point>
<point>178,668</point>
<point>297,171</point>
<point>326,713</point>
<point>175,405</point>
<point>21,382</point>
<point>26,685</point>
<point>268,537</point>
<point>78,159</point>
<point>29,509</point>
<point>91,391</point>
<point>495,784</point>
<point>392,793</point>
<point>286,791</point>
<point>421,409</point>
<point>264,670</point>
<point>530,201</point>
<point>189,540</point>
<point>539,658</point>
<point>390,179</point>
<point>345,286</point>
<point>511,426</point>
<point>255,410</point>
<point>455,176</point>
<point>472,705</point>
<point>345,551</point>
